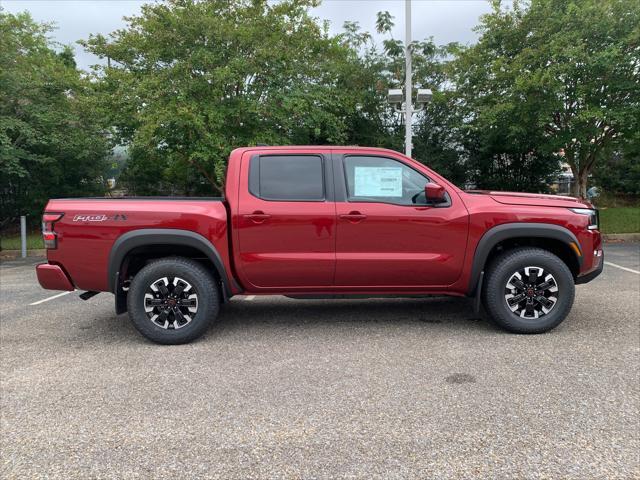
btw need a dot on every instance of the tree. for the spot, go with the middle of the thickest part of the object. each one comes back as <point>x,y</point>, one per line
<point>367,77</point>
<point>374,123</point>
<point>502,147</point>
<point>51,143</point>
<point>619,172</point>
<point>555,79</point>
<point>189,81</point>
<point>453,133</point>
<point>437,139</point>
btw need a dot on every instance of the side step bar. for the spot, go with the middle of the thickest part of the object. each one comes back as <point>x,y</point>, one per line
<point>88,295</point>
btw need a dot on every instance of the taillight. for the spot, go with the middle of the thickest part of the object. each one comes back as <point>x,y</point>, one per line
<point>48,235</point>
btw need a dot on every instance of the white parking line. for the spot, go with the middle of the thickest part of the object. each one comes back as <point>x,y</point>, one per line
<point>248,298</point>
<point>623,268</point>
<point>51,298</point>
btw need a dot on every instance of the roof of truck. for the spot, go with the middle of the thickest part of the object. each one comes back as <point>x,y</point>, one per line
<point>315,147</point>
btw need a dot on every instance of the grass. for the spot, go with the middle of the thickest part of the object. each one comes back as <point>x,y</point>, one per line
<point>12,242</point>
<point>612,220</point>
<point>615,200</point>
<point>620,220</point>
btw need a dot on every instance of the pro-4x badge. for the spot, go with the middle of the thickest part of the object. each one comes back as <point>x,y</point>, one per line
<point>98,218</point>
<point>90,218</point>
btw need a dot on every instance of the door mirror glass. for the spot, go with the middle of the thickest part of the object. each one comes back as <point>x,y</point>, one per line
<point>435,193</point>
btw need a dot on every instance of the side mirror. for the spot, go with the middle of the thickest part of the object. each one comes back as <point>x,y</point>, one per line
<point>435,193</point>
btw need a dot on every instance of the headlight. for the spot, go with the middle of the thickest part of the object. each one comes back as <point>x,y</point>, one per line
<point>594,217</point>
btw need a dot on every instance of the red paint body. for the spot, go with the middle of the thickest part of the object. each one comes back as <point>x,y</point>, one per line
<point>316,247</point>
<point>53,277</point>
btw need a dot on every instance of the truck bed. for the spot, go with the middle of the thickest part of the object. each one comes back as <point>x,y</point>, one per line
<point>90,226</point>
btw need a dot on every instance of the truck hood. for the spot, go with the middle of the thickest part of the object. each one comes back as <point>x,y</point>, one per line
<point>533,199</point>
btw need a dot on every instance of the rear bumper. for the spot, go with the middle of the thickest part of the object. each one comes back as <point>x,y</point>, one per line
<point>52,277</point>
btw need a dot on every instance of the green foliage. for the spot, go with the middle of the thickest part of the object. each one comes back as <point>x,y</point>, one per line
<point>374,123</point>
<point>619,171</point>
<point>50,142</point>
<point>367,77</point>
<point>548,77</point>
<point>189,81</point>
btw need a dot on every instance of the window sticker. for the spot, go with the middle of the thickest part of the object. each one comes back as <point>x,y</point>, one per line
<point>378,182</point>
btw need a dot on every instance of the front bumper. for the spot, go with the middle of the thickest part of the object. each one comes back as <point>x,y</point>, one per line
<point>587,277</point>
<point>52,277</point>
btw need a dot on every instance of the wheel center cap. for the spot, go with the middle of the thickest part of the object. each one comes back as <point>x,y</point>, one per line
<point>530,292</point>
<point>171,302</point>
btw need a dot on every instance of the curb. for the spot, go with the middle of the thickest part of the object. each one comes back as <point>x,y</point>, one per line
<point>621,237</point>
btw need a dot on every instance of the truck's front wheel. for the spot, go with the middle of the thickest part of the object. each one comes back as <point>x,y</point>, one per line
<point>173,300</point>
<point>528,290</point>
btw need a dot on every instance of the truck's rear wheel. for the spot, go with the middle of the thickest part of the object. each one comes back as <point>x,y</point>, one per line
<point>173,300</point>
<point>528,290</point>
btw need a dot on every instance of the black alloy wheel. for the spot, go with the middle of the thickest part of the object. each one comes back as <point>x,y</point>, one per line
<point>528,290</point>
<point>171,302</point>
<point>531,292</point>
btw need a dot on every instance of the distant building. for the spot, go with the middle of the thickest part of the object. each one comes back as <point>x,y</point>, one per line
<point>562,184</point>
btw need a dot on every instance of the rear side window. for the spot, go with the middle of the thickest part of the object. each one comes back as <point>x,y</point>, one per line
<point>287,177</point>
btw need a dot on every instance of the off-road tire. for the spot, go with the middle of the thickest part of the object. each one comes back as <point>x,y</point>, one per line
<point>499,273</point>
<point>200,281</point>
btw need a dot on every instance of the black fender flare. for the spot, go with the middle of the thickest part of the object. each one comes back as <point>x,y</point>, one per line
<point>505,231</point>
<point>162,236</point>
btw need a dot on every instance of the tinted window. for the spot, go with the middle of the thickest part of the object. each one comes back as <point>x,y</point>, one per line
<point>378,179</point>
<point>289,177</point>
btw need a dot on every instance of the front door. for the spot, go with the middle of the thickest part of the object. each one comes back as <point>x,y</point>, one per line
<point>387,234</point>
<point>286,221</point>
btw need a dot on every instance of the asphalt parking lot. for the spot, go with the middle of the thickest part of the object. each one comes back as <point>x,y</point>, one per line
<point>281,388</point>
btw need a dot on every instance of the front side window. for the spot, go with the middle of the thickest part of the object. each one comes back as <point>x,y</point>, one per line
<point>378,179</point>
<point>287,177</point>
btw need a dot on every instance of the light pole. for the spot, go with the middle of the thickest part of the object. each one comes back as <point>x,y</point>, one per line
<point>408,87</point>
<point>394,96</point>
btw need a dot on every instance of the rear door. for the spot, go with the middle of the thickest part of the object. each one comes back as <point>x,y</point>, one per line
<point>286,220</point>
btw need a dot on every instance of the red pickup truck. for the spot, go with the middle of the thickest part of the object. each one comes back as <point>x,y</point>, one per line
<point>323,221</point>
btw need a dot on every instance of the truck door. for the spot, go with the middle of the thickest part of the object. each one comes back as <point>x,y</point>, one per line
<point>286,220</point>
<point>388,236</point>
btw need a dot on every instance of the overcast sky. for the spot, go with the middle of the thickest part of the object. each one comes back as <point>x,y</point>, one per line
<point>444,20</point>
